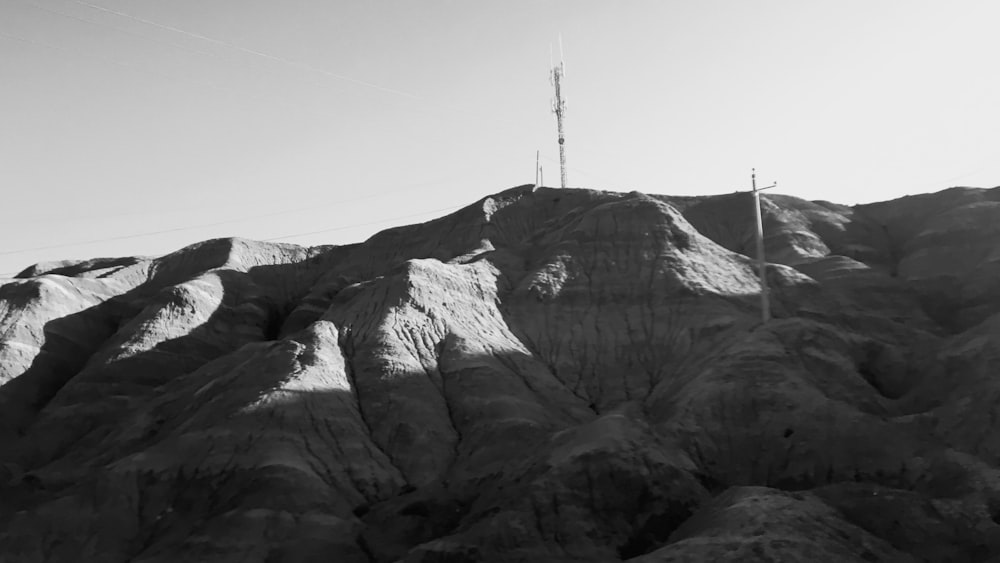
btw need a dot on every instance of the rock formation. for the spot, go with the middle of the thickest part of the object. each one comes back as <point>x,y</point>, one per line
<point>544,375</point>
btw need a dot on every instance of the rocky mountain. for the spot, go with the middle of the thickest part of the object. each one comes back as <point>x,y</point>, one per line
<point>544,375</point>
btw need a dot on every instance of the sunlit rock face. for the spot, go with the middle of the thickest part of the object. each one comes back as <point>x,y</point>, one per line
<point>544,375</point>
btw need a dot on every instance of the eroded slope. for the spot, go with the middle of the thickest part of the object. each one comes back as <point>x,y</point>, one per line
<point>559,375</point>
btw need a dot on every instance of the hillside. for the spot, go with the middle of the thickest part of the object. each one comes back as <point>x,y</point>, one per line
<point>550,375</point>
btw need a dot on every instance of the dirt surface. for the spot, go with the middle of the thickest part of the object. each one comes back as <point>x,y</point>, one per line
<point>544,375</point>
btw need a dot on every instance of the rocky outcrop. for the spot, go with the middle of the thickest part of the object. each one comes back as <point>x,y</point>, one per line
<point>559,375</point>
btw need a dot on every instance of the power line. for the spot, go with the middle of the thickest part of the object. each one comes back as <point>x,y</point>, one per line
<point>109,239</point>
<point>169,77</point>
<point>985,164</point>
<point>190,227</point>
<point>282,60</point>
<point>581,170</point>
<point>302,66</point>
<point>283,237</point>
<point>96,57</point>
<point>318,205</point>
<point>346,227</point>
<point>226,222</point>
<point>264,55</point>
<point>118,29</point>
<point>179,229</point>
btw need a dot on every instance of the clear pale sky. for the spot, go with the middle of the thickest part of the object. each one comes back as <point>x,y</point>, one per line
<point>161,123</point>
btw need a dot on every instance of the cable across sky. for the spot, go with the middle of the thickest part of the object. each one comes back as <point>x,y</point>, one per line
<point>136,127</point>
<point>248,51</point>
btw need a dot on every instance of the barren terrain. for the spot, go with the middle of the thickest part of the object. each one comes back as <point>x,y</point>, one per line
<point>544,375</point>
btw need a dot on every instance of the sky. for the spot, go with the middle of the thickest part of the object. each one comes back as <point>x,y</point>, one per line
<point>136,127</point>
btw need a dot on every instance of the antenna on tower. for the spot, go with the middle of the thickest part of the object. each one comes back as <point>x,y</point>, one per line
<point>561,62</point>
<point>559,108</point>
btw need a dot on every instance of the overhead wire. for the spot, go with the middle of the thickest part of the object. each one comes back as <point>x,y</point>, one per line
<point>140,235</point>
<point>243,95</point>
<point>233,46</point>
<point>230,221</point>
<point>452,111</point>
<point>173,78</point>
<point>203,225</point>
<point>984,164</point>
<point>346,227</point>
<point>247,50</point>
<point>86,56</point>
<point>282,237</point>
<point>578,169</point>
<point>317,205</point>
<point>108,239</point>
<point>118,29</point>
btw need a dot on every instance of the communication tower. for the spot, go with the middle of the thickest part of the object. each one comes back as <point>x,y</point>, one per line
<point>559,108</point>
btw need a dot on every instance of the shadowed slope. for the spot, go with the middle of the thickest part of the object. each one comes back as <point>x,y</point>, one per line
<point>560,375</point>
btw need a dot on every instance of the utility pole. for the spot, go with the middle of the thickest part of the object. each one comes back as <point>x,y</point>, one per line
<point>538,169</point>
<point>559,108</point>
<point>765,305</point>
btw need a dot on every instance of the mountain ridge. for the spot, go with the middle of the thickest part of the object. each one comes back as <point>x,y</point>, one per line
<point>556,374</point>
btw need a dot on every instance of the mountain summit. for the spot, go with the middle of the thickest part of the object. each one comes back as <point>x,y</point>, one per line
<point>544,375</point>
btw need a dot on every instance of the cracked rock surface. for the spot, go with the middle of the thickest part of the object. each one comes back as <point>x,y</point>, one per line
<point>544,375</point>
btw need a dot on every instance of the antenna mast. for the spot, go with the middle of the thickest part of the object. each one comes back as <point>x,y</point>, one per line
<point>559,108</point>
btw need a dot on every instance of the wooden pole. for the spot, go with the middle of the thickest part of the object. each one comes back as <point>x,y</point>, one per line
<point>765,303</point>
<point>538,169</point>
